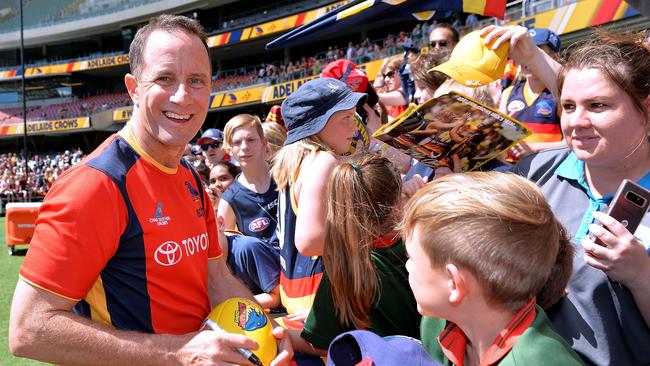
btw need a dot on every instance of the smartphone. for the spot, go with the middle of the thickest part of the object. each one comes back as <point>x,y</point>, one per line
<point>629,205</point>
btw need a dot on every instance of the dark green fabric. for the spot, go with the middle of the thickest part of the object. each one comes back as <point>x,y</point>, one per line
<point>538,345</point>
<point>395,313</point>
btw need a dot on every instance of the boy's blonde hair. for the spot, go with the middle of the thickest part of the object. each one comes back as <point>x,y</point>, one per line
<point>240,120</point>
<point>288,159</point>
<point>496,225</point>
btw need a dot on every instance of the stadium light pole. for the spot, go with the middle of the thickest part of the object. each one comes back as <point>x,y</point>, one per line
<point>22,82</point>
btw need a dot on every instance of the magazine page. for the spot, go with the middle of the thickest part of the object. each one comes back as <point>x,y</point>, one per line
<point>452,124</point>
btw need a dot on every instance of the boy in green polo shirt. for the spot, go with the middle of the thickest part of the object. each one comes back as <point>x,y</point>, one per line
<point>481,247</point>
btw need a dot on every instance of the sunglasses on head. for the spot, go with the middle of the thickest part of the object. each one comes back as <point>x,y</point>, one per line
<point>442,43</point>
<point>213,144</point>
<point>389,74</point>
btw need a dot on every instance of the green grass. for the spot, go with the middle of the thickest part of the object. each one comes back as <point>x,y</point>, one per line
<point>9,266</point>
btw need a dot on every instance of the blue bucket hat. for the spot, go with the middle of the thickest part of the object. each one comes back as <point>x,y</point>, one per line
<point>543,36</point>
<point>354,347</point>
<point>210,134</point>
<point>307,110</point>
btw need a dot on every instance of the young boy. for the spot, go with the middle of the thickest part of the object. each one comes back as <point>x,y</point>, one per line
<point>249,206</point>
<point>481,247</point>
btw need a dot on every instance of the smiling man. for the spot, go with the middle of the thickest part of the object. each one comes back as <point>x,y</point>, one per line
<point>125,262</point>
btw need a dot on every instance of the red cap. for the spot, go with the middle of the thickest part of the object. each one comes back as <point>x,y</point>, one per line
<point>352,76</point>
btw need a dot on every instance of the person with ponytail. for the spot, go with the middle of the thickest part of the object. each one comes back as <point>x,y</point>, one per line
<point>484,251</point>
<point>603,89</point>
<point>365,284</point>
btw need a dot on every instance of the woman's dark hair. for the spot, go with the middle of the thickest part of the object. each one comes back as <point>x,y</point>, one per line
<point>622,58</point>
<point>425,62</point>
<point>232,168</point>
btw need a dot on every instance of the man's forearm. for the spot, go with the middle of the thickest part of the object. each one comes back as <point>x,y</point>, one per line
<point>223,285</point>
<point>61,337</point>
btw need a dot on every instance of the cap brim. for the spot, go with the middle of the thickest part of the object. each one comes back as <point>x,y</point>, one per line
<point>464,74</point>
<point>203,139</point>
<point>353,100</point>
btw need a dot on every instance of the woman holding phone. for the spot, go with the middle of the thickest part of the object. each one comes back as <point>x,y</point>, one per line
<point>603,90</point>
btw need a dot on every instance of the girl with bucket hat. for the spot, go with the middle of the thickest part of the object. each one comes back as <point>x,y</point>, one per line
<point>320,126</point>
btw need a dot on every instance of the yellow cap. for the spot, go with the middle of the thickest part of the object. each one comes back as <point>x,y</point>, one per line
<point>473,63</point>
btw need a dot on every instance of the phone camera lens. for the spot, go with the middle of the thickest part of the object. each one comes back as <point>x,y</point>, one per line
<point>634,198</point>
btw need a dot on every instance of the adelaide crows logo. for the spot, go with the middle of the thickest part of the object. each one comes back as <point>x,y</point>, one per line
<point>249,318</point>
<point>193,192</point>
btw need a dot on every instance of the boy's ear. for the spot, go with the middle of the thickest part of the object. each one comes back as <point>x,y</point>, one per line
<point>456,284</point>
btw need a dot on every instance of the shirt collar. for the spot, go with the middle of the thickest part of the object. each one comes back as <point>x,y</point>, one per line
<point>454,342</point>
<point>385,241</point>
<point>127,134</point>
<point>574,169</point>
<point>571,167</point>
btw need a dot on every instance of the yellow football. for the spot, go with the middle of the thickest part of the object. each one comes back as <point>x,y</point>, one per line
<point>243,316</point>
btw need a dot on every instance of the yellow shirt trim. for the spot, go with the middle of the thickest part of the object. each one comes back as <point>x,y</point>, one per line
<point>127,134</point>
<point>48,290</point>
<point>96,298</point>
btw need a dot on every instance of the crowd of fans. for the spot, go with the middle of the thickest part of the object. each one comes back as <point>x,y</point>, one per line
<point>365,51</point>
<point>42,171</point>
<point>272,72</point>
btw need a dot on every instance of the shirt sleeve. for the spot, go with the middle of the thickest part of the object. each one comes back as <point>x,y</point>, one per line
<point>77,231</point>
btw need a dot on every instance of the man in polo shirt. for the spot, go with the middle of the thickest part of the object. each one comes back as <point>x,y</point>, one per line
<point>125,263</point>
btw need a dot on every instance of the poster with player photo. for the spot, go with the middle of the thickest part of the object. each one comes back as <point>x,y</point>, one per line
<point>452,124</point>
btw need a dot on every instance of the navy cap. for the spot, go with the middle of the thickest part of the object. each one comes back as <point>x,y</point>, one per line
<point>307,110</point>
<point>354,347</point>
<point>210,134</point>
<point>543,36</point>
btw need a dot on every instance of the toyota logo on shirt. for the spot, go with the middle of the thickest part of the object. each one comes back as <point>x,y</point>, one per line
<point>168,253</point>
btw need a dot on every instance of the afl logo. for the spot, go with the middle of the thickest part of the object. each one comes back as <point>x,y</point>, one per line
<point>515,106</point>
<point>168,254</point>
<point>259,224</point>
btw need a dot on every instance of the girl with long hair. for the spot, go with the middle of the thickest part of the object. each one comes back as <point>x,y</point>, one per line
<point>365,285</point>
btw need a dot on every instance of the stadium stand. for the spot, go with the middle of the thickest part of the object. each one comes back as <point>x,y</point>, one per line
<point>82,77</point>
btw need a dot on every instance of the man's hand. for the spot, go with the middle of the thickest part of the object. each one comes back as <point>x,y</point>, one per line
<point>211,347</point>
<point>522,47</point>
